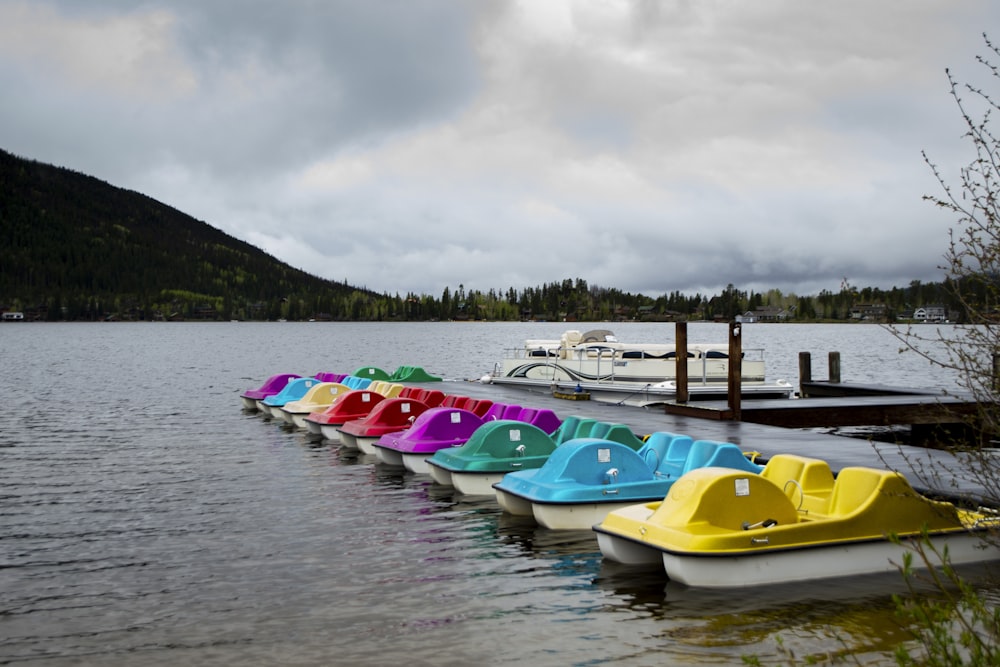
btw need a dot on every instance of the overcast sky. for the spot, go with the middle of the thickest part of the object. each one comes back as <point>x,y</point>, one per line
<point>410,145</point>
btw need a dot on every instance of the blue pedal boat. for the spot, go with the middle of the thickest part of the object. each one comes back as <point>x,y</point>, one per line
<point>296,388</point>
<point>587,478</point>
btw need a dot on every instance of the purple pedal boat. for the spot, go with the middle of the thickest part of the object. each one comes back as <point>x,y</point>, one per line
<point>437,428</point>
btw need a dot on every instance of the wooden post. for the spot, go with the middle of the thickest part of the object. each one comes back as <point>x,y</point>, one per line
<point>805,372</point>
<point>681,359</point>
<point>734,390</point>
<point>834,364</point>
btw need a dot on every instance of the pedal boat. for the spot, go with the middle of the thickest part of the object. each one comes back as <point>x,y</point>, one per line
<point>587,478</point>
<point>573,428</point>
<point>495,449</point>
<point>354,404</point>
<point>318,398</point>
<point>721,528</point>
<point>433,430</point>
<point>388,416</point>
<point>271,386</point>
<point>270,406</point>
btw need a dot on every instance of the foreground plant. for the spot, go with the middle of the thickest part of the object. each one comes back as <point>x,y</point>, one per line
<point>958,626</point>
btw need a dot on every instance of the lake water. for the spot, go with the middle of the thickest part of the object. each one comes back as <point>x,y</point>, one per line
<point>146,520</point>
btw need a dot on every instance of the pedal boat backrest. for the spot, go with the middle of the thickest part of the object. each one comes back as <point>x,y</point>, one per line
<point>882,501</point>
<point>808,482</point>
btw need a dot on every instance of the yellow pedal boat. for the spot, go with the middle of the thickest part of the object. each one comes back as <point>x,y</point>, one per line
<point>722,528</point>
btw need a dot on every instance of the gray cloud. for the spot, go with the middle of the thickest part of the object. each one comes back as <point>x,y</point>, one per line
<point>410,146</point>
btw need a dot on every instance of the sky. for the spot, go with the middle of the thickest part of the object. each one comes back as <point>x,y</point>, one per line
<point>412,145</point>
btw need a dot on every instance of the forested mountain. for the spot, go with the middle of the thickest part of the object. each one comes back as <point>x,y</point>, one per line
<point>73,247</point>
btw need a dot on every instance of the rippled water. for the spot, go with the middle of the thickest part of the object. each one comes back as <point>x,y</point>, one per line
<point>144,519</point>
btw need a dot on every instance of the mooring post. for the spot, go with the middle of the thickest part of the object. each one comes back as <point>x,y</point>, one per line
<point>834,364</point>
<point>805,372</point>
<point>734,390</point>
<point>680,359</point>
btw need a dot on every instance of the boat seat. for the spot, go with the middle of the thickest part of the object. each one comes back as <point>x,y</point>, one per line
<point>699,455</point>
<point>495,412</point>
<point>728,455</point>
<point>392,389</point>
<point>855,488</point>
<point>808,482</point>
<point>622,434</point>
<point>545,419</point>
<point>433,397</point>
<point>453,401</point>
<point>655,449</point>
<point>583,429</point>
<point>513,411</point>
<point>479,406</point>
<point>573,427</point>
<point>569,424</point>
<point>678,452</point>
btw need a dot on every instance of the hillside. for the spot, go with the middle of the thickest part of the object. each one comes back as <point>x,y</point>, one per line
<point>75,247</point>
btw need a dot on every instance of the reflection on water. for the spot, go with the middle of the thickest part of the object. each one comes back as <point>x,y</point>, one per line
<point>144,519</point>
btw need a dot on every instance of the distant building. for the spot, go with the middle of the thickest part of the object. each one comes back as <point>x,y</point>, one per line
<point>764,314</point>
<point>931,313</point>
<point>870,312</point>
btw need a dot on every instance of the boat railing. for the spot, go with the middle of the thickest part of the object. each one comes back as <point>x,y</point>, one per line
<point>614,355</point>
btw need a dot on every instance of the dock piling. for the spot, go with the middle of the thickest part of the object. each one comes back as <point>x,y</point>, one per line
<point>735,388</point>
<point>805,372</point>
<point>680,360</point>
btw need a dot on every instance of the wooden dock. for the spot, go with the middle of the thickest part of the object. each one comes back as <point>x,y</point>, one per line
<point>932,471</point>
<point>774,426</point>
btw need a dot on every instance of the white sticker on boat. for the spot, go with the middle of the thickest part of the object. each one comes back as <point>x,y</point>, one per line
<point>604,455</point>
<point>404,408</point>
<point>742,486</point>
<point>515,435</point>
<point>456,417</point>
<point>366,398</point>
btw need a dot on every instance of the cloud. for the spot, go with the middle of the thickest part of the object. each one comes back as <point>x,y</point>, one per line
<point>413,146</point>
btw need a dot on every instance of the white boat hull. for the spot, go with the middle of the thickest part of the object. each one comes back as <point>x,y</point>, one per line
<point>332,433</point>
<point>284,415</point>
<point>249,403</point>
<point>364,443</point>
<point>476,484</point>
<point>442,476</point>
<point>388,456</point>
<point>512,504</point>
<point>347,440</point>
<point>417,463</point>
<point>573,516</point>
<point>626,551</point>
<point>313,427</point>
<point>841,560</point>
<point>299,419</point>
